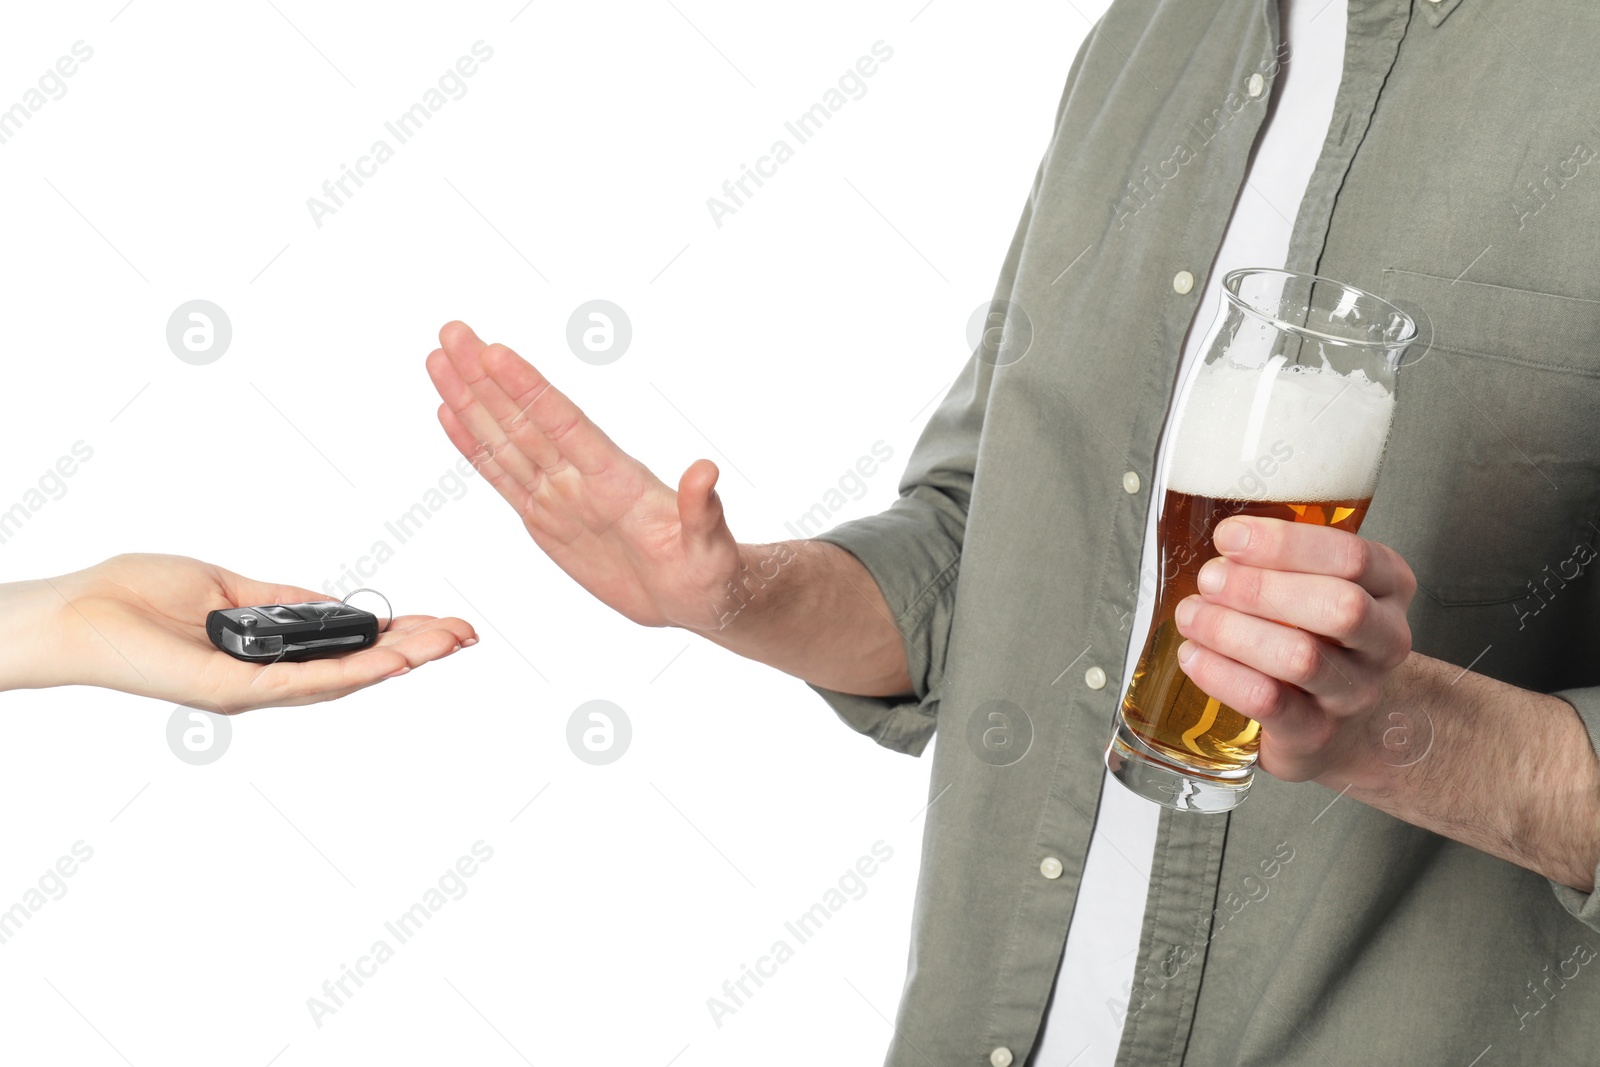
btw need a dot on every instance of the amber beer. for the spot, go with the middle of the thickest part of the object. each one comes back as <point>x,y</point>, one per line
<point>1163,708</point>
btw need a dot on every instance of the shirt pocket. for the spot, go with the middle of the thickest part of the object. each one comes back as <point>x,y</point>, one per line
<point>1490,473</point>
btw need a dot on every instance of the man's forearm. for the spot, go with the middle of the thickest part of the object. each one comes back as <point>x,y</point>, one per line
<point>811,609</point>
<point>1505,770</point>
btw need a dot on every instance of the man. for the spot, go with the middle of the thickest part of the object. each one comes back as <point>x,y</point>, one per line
<point>1423,896</point>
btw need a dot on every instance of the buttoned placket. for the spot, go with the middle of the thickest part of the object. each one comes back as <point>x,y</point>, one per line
<point>1184,879</point>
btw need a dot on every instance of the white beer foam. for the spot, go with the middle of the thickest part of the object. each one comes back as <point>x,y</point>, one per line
<point>1239,424</point>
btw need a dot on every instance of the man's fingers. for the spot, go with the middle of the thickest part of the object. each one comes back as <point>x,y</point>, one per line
<point>462,438</point>
<point>549,412</point>
<point>1339,610</point>
<point>473,361</point>
<point>462,342</point>
<point>1295,733</point>
<point>699,507</point>
<point>1292,726</point>
<point>514,492</point>
<point>1246,690</point>
<point>512,415</point>
<point>467,406</point>
<point>1313,549</point>
<point>481,458</point>
<point>1280,652</point>
<point>459,398</point>
<point>505,402</point>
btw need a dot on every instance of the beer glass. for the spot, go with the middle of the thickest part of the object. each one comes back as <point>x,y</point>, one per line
<point>1285,414</point>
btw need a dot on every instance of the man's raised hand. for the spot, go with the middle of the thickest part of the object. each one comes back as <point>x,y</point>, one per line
<point>658,556</point>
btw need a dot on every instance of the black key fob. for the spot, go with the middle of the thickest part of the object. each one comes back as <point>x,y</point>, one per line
<point>274,632</point>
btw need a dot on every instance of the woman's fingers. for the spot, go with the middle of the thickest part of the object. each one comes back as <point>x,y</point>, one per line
<point>408,643</point>
<point>245,592</point>
<point>405,626</point>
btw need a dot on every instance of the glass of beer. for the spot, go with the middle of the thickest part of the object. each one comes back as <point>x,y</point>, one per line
<point>1285,414</point>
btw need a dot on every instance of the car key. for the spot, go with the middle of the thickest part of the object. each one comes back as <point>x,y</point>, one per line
<point>269,633</point>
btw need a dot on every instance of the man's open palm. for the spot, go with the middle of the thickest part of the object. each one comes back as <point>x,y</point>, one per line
<point>657,556</point>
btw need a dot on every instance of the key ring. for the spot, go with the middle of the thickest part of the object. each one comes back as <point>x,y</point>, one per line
<point>389,607</point>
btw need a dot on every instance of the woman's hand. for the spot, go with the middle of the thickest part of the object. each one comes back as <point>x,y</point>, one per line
<point>136,623</point>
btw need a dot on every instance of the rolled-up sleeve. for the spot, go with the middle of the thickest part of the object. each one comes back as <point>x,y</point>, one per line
<point>913,552</point>
<point>1585,907</point>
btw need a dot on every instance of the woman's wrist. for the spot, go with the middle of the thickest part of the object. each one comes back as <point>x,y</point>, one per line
<point>32,640</point>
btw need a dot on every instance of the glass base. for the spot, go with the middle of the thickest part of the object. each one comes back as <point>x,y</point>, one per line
<point>1157,779</point>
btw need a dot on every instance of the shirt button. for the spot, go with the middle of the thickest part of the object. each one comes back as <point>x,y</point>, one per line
<point>1130,482</point>
<point>1255,85</point>
<point>1050,867</point>
<point>1000,1057</point>
<point>1182,281</point>
<point>1094,678</point>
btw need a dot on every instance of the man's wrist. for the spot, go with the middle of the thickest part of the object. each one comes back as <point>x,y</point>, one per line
<point>1392,752</point>
<point>748,592</point>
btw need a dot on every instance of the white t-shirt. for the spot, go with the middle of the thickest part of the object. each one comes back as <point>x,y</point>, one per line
<point>1083,1025</point>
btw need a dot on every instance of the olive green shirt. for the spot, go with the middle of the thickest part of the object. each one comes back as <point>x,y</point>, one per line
<point>1459,179</point>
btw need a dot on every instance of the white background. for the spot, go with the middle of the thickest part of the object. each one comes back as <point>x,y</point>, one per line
<point>825,315</point>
